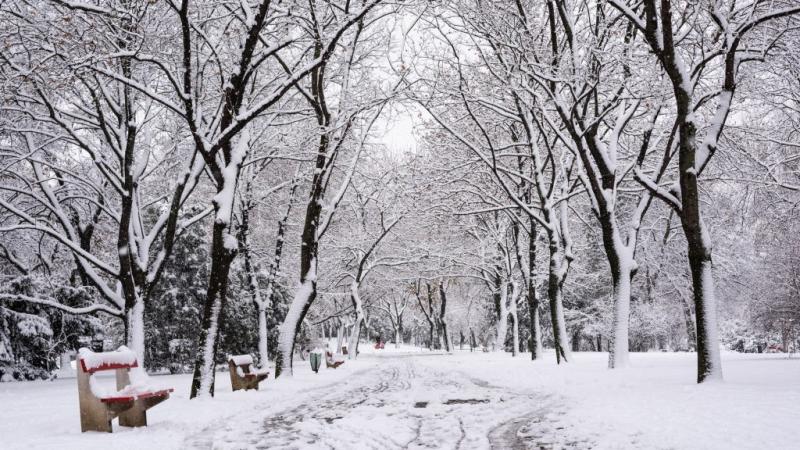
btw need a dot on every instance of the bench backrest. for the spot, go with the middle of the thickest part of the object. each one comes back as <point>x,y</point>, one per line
<point>91,362</point>
<point>242,361</point>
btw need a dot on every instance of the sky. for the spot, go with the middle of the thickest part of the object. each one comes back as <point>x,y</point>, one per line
<point>396,130</point>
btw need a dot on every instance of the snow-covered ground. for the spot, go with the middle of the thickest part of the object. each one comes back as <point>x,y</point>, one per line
<point>412,399</point>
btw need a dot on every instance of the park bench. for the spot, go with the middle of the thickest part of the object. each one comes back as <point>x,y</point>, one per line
<point>242,374</point>
<point>99,405</point>
<point>331,362</point>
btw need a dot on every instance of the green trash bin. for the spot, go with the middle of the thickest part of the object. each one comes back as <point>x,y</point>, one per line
<point>316,360</point>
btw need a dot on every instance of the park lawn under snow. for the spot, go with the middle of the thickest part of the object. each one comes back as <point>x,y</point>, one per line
<point>653,404</point>
<point>656,402</point>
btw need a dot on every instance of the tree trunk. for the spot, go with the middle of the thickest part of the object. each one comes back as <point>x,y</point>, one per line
<point>472,341</point>
<point>533,297</point>
<point>689,321</point>
<point>618,355</point>
<point>352,346</point>
<point>216,297</point>
<point>339,338</point>
<point>359,310</point>
<point>135,330</point>
<point>263,343</point>
<point>554,292</point>
<point>303,298</point>
<point>709,365</point>
<point>502,320</point>
<point>448,344</point>
<point>514,332</point>
<point>309,240</point>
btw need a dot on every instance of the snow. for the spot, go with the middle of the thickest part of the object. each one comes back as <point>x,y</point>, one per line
<point>223,200</point>
<point>287,329</point>
<point>619,357</point>
<point>263,371</point>
<point>140,384</point>
<point>241,360</point>
<point>230,242</point>
<point>207,370</point>
<point>93,360</point>
<point>710,319</point>
<point>44,414</point>
<point>135,319</point>
<point>655,403</point>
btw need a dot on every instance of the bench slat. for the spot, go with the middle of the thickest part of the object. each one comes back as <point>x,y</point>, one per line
<point>108,366</point>
<point>131,398</point>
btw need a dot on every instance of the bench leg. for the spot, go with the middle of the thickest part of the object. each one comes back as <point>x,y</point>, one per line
<point>95,418</point>
<point>136,416</point>
<point>95,415</point>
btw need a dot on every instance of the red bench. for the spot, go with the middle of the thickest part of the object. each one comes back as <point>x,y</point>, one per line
<point>331,362</point>
<point>99,405</point>
<point>242,376</point>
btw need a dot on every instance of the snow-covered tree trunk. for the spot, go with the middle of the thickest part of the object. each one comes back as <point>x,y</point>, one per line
<point>618,349</point>
<point>622,266</point>
<point>533,297</point>
<point>358,308</point>
<point>447,340</point>
<point>427,312</point>
<point>135,326</point>
<point>263,341</point>
<point>303,297</point>
<point>709,364</point>
<point>340,331</point>
<point>397,337</point>
<point>262,302</point>
<point>555,292</point>
<point>224,247</point>
<point>512,312</point>
<point>502,320</point>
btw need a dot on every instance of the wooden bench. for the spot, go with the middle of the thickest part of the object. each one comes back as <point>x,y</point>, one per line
<point>331,362</point>
<point>242,376</point>
<point>130,401</point>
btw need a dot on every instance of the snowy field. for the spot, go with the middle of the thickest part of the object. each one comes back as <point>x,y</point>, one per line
<point>413,399</point>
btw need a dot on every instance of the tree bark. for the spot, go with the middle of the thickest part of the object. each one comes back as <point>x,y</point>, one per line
<point>448,344</point>
<point>216,298</point>
<point>533,297</point>
<point>554,293</point>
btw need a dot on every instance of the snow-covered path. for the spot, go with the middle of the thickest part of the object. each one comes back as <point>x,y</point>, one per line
<point>401,403</point>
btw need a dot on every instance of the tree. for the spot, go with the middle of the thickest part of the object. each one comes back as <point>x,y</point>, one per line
<point>733,26</point>
<point>92,155</point>
<point>338,125</point>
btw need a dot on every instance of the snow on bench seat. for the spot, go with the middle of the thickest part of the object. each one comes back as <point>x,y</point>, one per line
<point>130,398</point>
<point>122,358</point>
<point>139,386</point>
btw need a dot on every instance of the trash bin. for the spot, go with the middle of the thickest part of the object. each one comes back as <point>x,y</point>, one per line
<point>316,359</point>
